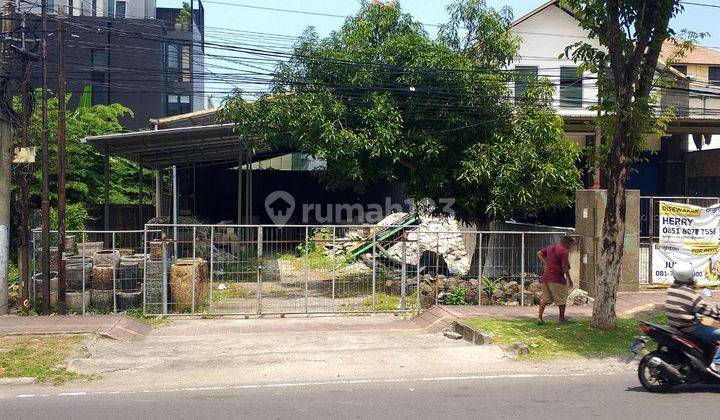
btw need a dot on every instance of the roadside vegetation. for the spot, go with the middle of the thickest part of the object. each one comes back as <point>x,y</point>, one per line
<point>553,340</point>
<point>39,356</point>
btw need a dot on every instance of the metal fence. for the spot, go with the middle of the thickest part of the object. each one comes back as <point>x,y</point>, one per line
<point>649,227</point>
<point>103,270</point>
<point>267,269</point>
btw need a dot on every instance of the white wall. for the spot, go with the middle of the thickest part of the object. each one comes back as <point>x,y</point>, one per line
<point>544,38</point>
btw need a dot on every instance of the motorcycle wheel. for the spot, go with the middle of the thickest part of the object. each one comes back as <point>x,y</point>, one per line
<point>650,377</point>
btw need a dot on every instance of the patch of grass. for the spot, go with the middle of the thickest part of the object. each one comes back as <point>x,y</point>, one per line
<point>385,302</point>
<point>317,260</point>
<point>39,356</point>
<point>153,321</point>
<point>553,340</point>
<point>234,291</point>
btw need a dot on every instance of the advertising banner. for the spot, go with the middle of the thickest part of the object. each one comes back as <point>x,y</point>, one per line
<point>688,223</point>
<point>687,233</point>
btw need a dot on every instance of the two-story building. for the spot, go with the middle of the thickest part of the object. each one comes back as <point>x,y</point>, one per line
<point>547,31</point>
<point>125,51</point>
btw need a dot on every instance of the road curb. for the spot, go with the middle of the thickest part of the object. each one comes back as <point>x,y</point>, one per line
<point>471,334</point>
<point>23,380</point>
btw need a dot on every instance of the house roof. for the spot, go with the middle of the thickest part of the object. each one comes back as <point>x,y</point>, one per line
<point>696,55</point>
<point>540,9</point>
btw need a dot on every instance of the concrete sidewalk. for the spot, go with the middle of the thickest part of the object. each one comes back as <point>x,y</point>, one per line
<point>118,327</point>
<point>223,351</point>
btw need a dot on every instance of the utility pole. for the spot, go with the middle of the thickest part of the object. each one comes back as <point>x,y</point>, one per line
<point>61,165</point>
<point>5,156</point>
<point>24,243</point>
<point>45,195</point>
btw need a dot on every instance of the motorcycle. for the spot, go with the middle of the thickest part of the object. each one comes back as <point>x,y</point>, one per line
<point>678,359</point>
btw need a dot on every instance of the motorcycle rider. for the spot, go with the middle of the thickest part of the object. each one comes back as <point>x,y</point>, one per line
<point>683,305</point>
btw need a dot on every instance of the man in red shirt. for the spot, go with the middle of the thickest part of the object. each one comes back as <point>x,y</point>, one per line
<point>556,277</point>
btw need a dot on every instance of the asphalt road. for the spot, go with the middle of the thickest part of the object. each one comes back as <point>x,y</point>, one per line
<point>484,396</point>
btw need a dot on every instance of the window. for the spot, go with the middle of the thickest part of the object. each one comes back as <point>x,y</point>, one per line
<point>714,75</point>
<point>178,63</point>
<point>172,57</point>
<point>681,69</point>
<point>98,76</point>
<point>571,88</point>
<point>185,63</point>
<point>525,74</point>
<point>120,9</point>
<point>178,104</point>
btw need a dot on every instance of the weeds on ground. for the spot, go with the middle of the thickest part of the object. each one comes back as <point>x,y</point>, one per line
<point>316,260</point>
<point>41,357</point>
<point>385,302</point>
<point>153,321</point>
<point>553,340</point>
<point>456,297</point>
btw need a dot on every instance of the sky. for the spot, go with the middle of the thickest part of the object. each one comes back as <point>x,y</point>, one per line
<point>696,18</point>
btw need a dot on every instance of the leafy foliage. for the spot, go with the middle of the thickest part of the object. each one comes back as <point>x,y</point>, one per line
<point>455,297</point>
<point>382,100</point>
<point>85,165</point>
<point>185,13</point>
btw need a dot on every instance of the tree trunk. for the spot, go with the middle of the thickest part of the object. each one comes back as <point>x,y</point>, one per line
<point>609,268</point>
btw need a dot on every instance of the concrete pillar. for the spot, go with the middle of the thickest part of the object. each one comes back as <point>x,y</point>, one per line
<point>589,215</point>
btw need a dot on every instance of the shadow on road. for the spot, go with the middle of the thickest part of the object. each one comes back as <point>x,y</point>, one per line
<point>683,389</point>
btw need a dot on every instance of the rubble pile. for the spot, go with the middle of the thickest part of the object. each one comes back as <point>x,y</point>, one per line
<point>440,235</point>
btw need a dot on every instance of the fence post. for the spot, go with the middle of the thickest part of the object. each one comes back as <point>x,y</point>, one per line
<point>403,274</point>
<point>417,279</point>
<point>522,269</point>
<point>212,266</point>
<point>651,234</point>
<point>480,264</point>
<point>194,266</point>
<point>145,258</point>
<point>259,271</point>
<point>114,276</point>
<point>83,272</point>
<point>437,265</point>
<point>165,277</point>
<point>334,270</point>
<point>305,266</point>
<point>374,267</point>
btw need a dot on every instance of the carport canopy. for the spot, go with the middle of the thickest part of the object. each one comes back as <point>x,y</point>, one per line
<point>184,146</point>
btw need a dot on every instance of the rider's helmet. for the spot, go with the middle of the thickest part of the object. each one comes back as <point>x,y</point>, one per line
<point>683,272</point>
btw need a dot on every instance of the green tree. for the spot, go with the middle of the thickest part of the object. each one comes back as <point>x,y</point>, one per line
<point>85,165</point>
<point>631,34</point>
<point>380,99</point>
<point>185,13</point>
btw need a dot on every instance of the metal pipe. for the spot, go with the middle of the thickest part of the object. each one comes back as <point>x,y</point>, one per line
<point>334,260</point>
<point>374,266</point>
<point>165,277</point>
<point>114,277</point>
<point>522,269</point>
<point>83,272</point>
<point>259,270</point>
<point>194,232</point>
<point>145,258</point>
<point>305,267</point>
<point>175,211</point>
<point>480,265</point>
<point>158,193</point>
<point>403,274</point>
<point>212,266</point>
